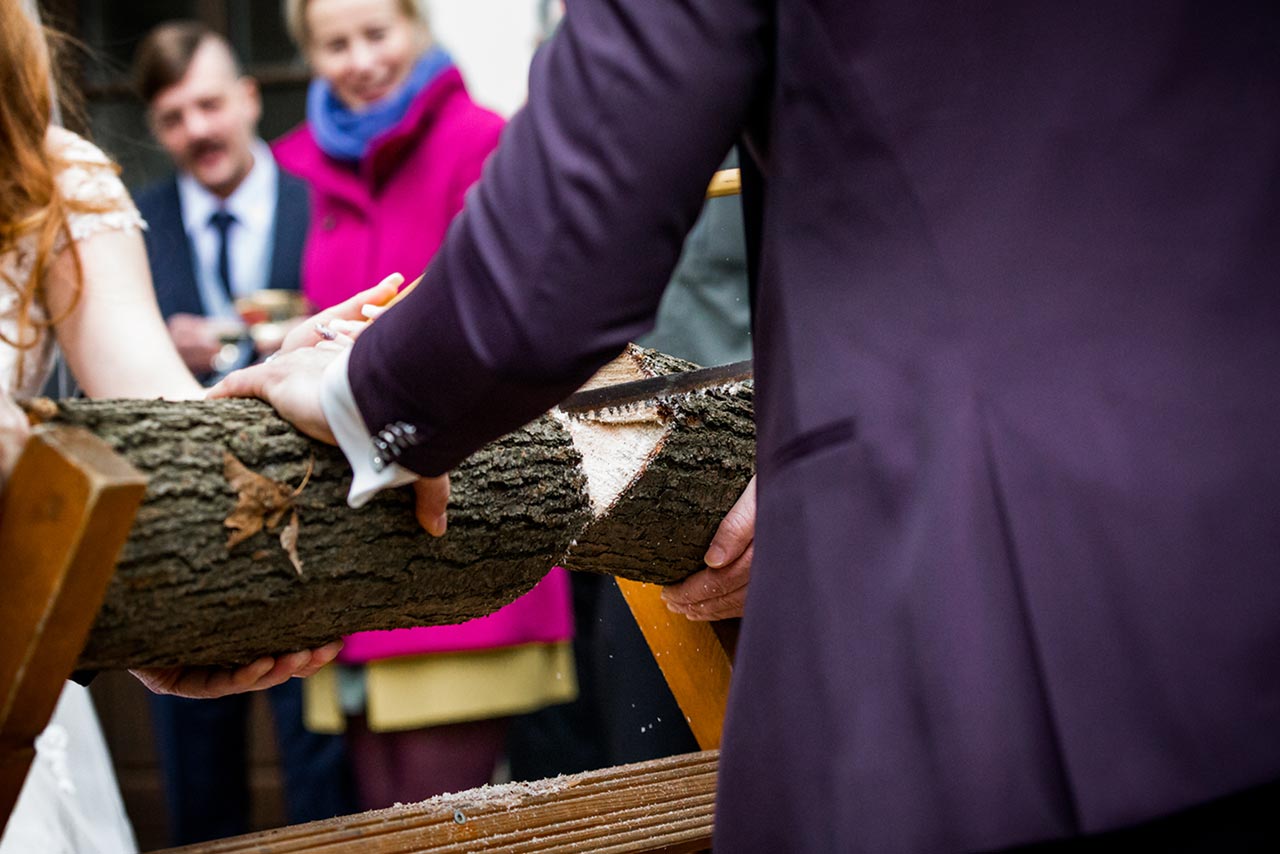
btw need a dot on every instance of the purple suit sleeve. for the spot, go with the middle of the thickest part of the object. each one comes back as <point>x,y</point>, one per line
<point>562,251</point>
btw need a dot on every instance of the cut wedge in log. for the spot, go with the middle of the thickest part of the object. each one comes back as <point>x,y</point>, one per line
<point>245,546</point>
<point>660,477</point>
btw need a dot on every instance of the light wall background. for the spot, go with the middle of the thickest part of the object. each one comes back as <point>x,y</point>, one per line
<point>492,41</point>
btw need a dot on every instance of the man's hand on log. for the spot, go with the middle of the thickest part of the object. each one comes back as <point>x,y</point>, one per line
<point>720,591</point>
<point>206,683</point>
<point>431,499</point>
<point>290,383</point>
<point>291,380</point>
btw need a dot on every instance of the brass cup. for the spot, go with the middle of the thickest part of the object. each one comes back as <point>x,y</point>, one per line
<point>271,305</point>
<point>268,314</point>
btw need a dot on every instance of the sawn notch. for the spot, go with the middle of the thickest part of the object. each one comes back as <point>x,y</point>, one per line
<point>621,396</point>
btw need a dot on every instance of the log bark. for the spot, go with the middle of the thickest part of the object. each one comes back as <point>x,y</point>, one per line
<point>182,596</point>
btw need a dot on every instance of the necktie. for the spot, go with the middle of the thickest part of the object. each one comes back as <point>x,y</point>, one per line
<point>238,354</point>
<point>221,220</point>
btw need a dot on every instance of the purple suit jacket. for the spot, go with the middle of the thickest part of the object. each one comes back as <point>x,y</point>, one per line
<point>1017,331</point>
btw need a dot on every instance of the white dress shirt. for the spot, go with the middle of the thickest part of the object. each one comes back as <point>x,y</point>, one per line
<point>355,440</point>
<point>250,239</point>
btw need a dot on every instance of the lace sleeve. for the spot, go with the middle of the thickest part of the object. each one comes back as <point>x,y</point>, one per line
<point>90,177</point>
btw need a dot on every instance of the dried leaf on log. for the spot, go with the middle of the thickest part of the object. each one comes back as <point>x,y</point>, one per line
<point>261,501</point>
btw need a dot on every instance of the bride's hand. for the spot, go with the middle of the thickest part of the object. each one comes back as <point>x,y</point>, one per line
<point>209,682</point>
<point>344,321</point>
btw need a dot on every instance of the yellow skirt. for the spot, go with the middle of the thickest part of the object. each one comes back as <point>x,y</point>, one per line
<point>427,690</point>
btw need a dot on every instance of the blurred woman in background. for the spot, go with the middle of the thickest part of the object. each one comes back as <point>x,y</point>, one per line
<point>391,144</point>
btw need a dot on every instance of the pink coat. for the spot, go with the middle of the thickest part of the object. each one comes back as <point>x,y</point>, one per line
<point>389,214</point>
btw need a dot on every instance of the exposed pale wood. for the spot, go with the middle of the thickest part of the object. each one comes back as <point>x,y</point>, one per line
<point>691,656</point>
<point>63,517</point>
<point>726,182</point>
<point>703,456</point>
<point>665,805</point>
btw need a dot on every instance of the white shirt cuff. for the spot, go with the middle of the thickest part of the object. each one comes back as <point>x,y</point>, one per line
<point>344,418</point>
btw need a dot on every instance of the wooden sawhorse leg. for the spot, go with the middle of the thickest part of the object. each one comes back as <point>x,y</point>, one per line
<point>64,517</point>
<point>693,657</point>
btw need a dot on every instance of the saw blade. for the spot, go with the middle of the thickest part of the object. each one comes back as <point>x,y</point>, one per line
<point>654,390</point>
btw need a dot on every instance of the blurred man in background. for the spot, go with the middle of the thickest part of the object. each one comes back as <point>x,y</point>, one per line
<point>226,225</point>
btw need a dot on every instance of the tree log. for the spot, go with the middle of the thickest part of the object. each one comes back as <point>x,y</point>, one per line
<point>637,495</point>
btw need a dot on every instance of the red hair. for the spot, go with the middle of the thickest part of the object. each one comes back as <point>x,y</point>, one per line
<point>30,203</point>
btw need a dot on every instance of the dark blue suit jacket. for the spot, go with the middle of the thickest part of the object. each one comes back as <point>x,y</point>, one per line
<point>172,259</point>
<point>1017,326</point>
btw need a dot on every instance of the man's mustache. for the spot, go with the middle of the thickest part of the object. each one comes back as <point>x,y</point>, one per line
<point>201,147</point>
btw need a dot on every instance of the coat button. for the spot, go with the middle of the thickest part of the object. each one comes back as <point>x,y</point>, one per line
<point>329,223</point>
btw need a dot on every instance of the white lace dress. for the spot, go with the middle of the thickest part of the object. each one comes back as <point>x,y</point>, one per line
<point>70,802</point>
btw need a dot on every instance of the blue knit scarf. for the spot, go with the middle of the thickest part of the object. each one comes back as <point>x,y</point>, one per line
<point>345,134</point>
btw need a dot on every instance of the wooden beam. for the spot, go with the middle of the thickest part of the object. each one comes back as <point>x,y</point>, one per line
<point>693,659</point>
<point>726,182</point>
<point>63,518</point>
<point>665,805</point>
